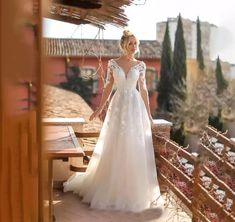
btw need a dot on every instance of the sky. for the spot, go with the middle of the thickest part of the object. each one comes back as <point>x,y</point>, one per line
<point>144,15</point>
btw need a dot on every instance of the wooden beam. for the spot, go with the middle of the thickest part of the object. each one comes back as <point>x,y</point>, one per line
<point>174,169</point>
<point>177,191</point>
<point>87,4</point>
<point>229,192</point>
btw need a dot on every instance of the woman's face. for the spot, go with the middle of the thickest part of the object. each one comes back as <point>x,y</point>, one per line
<point>132,45</point>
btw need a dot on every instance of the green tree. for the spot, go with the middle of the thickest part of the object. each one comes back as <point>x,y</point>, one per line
<point>200,58</point>
<point>77,84</point>
<point>222,84</point>
<point>179,89</point>
<point>164,84</point>
<point>216,120</point>
<point>179,63</point>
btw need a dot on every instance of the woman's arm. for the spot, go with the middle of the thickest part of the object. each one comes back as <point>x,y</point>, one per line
<point>105,95</point>
<point>144,91</point>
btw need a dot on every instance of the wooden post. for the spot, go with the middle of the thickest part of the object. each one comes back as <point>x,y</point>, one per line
<point>196,181</point>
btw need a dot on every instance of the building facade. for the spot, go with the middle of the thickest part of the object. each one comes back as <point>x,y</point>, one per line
<point>92,57</point>
<point>208,35</point>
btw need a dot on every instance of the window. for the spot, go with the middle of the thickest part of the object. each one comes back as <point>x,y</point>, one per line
<point>151,78</point>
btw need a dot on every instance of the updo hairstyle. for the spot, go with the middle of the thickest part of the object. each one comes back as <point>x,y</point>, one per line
<point>125,39</point>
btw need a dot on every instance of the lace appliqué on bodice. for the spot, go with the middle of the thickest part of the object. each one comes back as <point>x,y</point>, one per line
<point>115,71</point>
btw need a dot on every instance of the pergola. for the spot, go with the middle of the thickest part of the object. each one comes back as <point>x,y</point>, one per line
<point>95,12</point>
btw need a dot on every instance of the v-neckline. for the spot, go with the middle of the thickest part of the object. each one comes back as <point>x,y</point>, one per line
<point>126,74</point>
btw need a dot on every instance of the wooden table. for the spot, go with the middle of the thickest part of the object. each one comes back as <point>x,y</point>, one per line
<point>60,143</point>
<point>77,122</point>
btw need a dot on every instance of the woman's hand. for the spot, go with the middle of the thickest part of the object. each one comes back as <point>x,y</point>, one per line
<point>96,113</point>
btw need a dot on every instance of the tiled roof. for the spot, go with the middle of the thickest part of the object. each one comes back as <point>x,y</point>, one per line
<point>93,48</point>
<point>98,13</point>
<point>62,103</point>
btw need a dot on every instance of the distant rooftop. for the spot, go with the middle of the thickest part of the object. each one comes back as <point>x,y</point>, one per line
<point>92,48</point>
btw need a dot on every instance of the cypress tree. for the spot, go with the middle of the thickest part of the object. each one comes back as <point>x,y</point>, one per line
<point>164,84</point>
<point>179,63</point>
<point>217,120</point>
<point>178,93</point>
<point>222,84</point>
<point>200,58</point>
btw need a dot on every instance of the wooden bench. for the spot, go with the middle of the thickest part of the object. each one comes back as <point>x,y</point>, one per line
<point>87,141</point>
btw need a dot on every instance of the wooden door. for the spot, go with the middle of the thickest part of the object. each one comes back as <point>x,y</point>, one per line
<point>21,175</point>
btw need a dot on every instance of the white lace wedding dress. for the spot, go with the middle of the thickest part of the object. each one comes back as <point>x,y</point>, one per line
<point>121,174</point>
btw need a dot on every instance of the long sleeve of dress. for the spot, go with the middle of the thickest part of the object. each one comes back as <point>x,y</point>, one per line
<point>109,74</point>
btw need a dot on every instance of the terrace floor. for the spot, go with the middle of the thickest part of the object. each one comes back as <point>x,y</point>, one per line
<point>69,208</point>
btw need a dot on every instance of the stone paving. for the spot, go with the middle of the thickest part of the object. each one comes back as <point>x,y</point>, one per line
<point>69,208</point>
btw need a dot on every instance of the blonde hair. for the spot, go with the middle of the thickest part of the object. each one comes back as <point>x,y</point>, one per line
<point>125,39</point>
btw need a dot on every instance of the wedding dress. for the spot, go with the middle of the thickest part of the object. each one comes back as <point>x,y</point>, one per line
<point>121,174</point>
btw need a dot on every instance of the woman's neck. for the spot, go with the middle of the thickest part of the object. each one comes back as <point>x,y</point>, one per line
<point>129,57</point>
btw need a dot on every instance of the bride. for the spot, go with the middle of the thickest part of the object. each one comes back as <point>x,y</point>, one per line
<point>121,174</point>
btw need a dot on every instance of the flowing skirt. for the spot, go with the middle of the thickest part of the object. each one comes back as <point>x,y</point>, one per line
<point>121,174</point>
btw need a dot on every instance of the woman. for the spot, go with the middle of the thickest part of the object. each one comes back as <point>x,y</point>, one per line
<point>121,174</point>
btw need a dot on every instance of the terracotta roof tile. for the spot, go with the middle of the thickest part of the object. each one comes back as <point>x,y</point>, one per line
<point>62,103</point>
<point>93,48</point>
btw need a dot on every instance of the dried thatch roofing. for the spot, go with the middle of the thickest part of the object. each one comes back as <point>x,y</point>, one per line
<point>95,12</point>
<point>90,48</point>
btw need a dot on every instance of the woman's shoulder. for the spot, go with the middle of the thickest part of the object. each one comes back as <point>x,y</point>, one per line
<point>112,63</point>
<point>113,60</point>
<point>141,63</point>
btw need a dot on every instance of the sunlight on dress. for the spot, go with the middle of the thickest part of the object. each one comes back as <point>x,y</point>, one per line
<point>121,174</point>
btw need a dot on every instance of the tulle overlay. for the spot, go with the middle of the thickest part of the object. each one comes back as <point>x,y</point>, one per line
<point>121,174</point>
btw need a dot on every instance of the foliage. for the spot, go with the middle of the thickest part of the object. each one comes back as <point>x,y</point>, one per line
<point>77,84</point>
<point>197,106</point>
<point>228,111</point>
<point>222,84</point>
<point>220,98</point>
<point>216,121</point>
<point>199,47</point>
<point>179,63</point>
<point>165,85</point>
<point>178,134</point>
<point>179,90</point>
<point>204,105</point>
